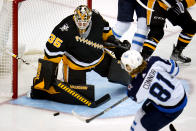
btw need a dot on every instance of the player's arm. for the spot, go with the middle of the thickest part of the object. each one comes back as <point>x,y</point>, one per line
<point>118,47</point>
<point>137,93</point>
<point>169,66</point>
<point>54,48</point>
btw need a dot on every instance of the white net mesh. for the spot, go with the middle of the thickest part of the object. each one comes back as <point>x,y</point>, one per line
<point>5,59</point>
<point>37,18</point>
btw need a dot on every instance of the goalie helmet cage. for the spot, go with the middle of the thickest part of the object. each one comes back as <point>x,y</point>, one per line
<point>14,17</point>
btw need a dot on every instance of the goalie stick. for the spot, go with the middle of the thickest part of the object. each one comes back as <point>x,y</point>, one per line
<point>87,120</point>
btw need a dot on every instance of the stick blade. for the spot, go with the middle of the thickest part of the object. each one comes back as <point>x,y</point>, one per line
<point>101,101</point>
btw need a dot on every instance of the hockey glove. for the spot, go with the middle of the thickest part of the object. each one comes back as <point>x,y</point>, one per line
<point>118,47</point>
<point>177,9</point>
<point>176,13</point>
<point>122,47</point>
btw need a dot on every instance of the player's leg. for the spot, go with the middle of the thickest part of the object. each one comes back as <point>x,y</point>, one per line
<point>188,26</point>
<point>46,73</point>
<point>46,86</point>
<point>141,32</point>
<point>137,125</point>
<point>124,18</point>
<point>156,22</point>
<point>74,76</point>
<point>149,118</point>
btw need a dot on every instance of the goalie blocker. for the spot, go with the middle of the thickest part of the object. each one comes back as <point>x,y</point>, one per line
<point>46,86</point>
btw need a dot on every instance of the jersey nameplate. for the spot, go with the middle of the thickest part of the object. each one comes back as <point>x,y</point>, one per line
<point>149,79</point>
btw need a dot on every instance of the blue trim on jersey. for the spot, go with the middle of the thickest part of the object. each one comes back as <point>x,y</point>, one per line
<point>117,35</point>
<point>140,35</point>
<point>173,110</point>
<point>177,71</point>
<point>173,66</point>
<point>137,43</point>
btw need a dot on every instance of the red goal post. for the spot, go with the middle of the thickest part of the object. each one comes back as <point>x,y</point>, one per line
<point>39,13</point>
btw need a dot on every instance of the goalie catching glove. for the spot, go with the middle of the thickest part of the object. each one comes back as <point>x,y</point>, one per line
<point>117,46</point>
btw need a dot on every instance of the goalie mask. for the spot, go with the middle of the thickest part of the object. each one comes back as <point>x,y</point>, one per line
<point>130,60</point>
<point>82,17</point>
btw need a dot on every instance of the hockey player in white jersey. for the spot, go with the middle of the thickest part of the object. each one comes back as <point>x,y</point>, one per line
<point>154,83</point>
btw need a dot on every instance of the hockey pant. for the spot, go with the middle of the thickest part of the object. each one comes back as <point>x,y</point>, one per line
<point>126,9</point>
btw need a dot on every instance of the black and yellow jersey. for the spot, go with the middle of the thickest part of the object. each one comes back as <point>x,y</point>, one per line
<point>86,52</point>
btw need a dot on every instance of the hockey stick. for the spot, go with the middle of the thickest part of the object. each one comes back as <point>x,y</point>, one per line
<point>144,6</point>
<point>16,57</point>
<point>93,104</point>
<point>87,120</point>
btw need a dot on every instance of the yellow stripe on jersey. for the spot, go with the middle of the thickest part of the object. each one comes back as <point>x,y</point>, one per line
<point>183,40</point>
<point>190,3</point>
<point>55,60</point>
<point>150,46</point>
<point>155,40</point>
<point>106,35</point>
<point>190,35</point>
<point>149,13</point>
<point>164,6</point>
<point>73,66</point>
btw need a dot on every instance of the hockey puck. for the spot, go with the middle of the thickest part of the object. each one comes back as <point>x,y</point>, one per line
<point>56,114</point>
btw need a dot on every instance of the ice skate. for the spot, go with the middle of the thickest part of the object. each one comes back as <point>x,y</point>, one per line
<point>178,57</point>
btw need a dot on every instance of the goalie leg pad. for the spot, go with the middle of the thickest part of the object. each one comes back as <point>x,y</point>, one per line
<point>65,93</point>
<point>46,73</point>
<point>70,94</point>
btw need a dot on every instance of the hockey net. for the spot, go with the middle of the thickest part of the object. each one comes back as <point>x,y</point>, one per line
<point>25,26</point>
